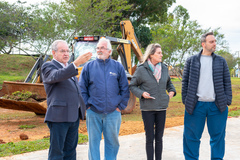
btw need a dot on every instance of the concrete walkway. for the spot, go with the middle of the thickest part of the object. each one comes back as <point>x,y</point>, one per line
<point>132,147</point>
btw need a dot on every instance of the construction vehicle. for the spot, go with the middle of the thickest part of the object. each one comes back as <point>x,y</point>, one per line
<point>81,45</point>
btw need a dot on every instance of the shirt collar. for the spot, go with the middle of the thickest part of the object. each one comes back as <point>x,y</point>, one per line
<point>61,63</point>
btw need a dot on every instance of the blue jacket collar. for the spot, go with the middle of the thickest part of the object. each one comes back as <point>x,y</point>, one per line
<point>103,61</point>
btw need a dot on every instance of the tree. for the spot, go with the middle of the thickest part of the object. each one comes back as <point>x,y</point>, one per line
<point>143,34</point>
<point>231,60</point>
<point>39,25</point>
<point>50,22</point>
<point>95,17</point>
<point>144,12</point>
<point>180,37</point>
<point>14,25</point>
<point>72,18</point>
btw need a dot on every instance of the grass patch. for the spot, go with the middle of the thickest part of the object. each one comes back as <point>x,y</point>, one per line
<point>11,148</point>
<point>26,126</point>
<point>17,115</point>
<point>234,113</point>
<point>14,67</point>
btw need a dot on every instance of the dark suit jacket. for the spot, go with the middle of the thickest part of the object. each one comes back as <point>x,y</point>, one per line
<point>64,99</point>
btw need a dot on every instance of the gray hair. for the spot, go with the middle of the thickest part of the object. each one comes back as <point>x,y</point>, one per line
<point>109,46</point>
<point>151,49</point>
<point>55,44</point>
<point>204,36</point>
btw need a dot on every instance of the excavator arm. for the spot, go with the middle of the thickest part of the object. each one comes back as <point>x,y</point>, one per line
<point>129,34</point>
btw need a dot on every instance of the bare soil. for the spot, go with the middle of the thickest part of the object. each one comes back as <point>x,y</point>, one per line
<point>11,121</point>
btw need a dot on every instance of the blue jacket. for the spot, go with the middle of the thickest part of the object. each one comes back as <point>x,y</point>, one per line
<point>221,81</point>
<point>104,86</point>
<point>64,99</point>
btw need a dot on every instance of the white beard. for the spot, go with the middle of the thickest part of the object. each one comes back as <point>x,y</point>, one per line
<point>102,56</point>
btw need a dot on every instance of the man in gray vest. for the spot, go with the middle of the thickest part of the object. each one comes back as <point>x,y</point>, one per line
<point>206,94</point>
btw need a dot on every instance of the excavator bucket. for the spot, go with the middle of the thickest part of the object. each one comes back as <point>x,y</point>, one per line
<point>8,88</point>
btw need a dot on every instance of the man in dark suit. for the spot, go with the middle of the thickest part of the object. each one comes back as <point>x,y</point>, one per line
<point>65,102</point>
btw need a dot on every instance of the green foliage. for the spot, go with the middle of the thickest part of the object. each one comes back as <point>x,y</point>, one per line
<point>34,28</point>
<point>24,95</point>
<point>180,37</point>
<point>21,96</point>
<point>144,12</point>
<point>11,148</point>
<point>231,60</point>
<point>26,126</point>
<point>50,22</point>
<point>93,17</point>
<point>143,34</point>
<point>14,26</point>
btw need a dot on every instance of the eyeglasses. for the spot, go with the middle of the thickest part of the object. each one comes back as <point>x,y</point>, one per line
<point>64,51</point>
<point>101,48</point>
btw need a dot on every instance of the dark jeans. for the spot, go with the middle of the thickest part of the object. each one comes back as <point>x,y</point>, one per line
<point>63,140</point>
<point>154,123</point>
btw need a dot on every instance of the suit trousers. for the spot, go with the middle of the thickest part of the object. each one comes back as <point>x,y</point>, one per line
<point>63,140</point>
<point>194,126</point>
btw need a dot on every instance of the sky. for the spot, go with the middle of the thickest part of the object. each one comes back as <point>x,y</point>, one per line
<point>208,13</point>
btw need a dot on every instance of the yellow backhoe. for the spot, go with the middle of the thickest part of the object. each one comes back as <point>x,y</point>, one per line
<point>81,45</point>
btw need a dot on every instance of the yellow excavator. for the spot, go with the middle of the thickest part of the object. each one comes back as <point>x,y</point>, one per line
<point>81,45</point>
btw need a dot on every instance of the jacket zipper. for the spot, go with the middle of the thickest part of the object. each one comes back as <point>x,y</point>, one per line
<point>105,108</point>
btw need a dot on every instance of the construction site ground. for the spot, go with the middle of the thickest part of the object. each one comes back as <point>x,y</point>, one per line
<point>10,127</point>
<point>132,147</point>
